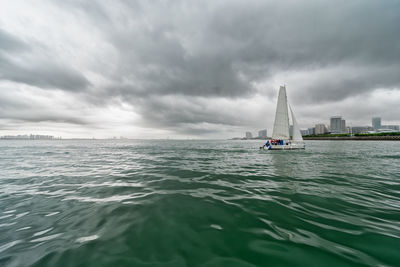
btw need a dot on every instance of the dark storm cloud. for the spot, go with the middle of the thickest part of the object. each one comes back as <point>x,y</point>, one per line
<point>43,75</point>
<point>173,112</point>
<point>338,85</point>
<point>167,58</point>
<point>18,108</point>
<point>221,50</point>
<point>38,117</point>
<point>160,65</point>
<point>19,63</point>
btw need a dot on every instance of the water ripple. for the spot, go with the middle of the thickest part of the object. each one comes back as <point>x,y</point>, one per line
<point>198,203</point>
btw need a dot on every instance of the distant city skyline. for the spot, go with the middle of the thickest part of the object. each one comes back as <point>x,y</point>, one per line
<point>194,69</point>
<point>29,137</point>
<point>338,124</point>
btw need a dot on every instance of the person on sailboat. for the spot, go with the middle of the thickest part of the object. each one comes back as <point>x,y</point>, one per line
<point>267,144</point>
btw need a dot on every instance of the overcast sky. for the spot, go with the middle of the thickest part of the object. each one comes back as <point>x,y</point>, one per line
<point>194,69</point>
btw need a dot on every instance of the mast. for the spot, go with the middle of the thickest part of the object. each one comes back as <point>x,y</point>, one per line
<point>281,124</point>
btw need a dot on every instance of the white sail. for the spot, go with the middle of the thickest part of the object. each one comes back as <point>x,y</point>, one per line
<point>296,130</point>
<point>281,124</point>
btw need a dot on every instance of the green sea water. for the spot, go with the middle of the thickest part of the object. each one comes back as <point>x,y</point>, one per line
<point>198,203</point>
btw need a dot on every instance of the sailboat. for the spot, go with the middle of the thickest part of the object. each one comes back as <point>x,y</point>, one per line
<point>281,139</point>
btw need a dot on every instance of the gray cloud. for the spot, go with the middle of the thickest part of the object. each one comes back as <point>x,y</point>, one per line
<point>174,112</point>
<point>173,61</point>
<point>43,75</point>
<point>11,43</point>
<point>19,63</point>
<point>24,109</point>
<point>346,81</point>
<point>239,43</point>
<point>219,53</point>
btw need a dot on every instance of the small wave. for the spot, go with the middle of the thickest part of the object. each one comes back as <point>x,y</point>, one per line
<point>43,232</point>
<point>46,238</point>
<point>87,238</point>
<point>9,245</point>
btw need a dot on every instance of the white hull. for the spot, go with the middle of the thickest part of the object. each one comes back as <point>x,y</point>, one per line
<point>292,146</point>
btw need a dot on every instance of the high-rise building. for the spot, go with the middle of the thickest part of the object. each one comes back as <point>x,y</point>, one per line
<point>249,135</point>
<point>311,131</point>
<point>304,132</point>
<point>376,123</point>
<point>338,125</point>
<point>320,129</point>
<point>343,126</point>
<point>262,134</point>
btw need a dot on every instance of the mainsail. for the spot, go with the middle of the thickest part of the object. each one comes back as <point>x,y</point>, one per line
<point>296,130</point>
<point>281,124</point>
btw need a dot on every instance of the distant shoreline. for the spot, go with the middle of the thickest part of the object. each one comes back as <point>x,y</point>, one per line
<point>341,138</point>
<point>356,138</point>
<point>325,138</point>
